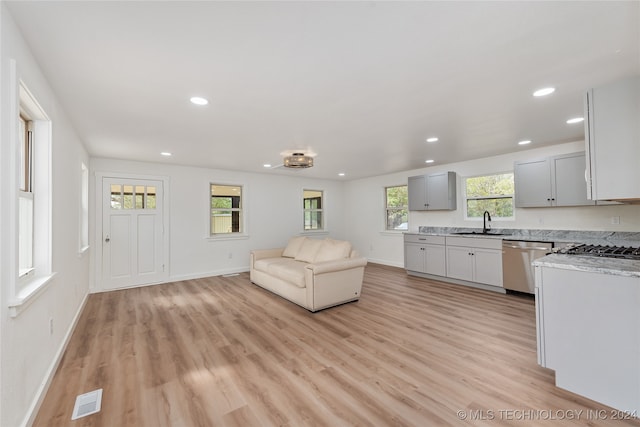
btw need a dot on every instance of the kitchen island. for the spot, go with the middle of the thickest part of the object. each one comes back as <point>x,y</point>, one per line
<point>588,326</point>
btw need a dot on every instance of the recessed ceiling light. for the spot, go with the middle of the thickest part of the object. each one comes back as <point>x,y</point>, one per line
<point>198,100</point>
<point>432,139</point>
<point>525,142</point>
<point>341,174</point>
<point>165,153</point>
<point>267,165</point>
<point>544,91</point>
<point>429,161</point>
<point>575,120</point>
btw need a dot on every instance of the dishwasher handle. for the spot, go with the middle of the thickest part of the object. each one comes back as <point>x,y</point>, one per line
<point>527,248</point>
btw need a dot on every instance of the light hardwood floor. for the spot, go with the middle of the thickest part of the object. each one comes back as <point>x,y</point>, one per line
<point>223,352</point>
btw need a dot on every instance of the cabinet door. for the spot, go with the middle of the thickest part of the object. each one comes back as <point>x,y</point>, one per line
<point>417,193</point>
<point>435,260</point>
<point>438,194</point>
<point>612,140</point>
<point>532,183</point>
<point>460,263</point>
<point>414,257</point>
<point>487,265</point>
<point>569,183</point>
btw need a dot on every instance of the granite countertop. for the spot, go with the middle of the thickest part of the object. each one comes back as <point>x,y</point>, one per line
<point>614,266</point>
<point>614,238</point>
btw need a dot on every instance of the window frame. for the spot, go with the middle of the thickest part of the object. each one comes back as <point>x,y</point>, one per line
<point>494,217</point>
<point>241,212</point>
<point>27,285</point>
<point>314,211</point>
<point>387,208</point>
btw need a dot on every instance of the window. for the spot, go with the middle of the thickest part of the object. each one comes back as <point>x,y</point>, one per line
<point>129,196</point>
<point>396,211</point>
<point>226,209</point>
<point>32,135</point>
<point>312,205</point>
<point>493,193</point>
<point>25,196</point>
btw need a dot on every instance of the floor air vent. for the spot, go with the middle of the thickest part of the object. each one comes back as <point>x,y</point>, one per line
<point>87,404</point>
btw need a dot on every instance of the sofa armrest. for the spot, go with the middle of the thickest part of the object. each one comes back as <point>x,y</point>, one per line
<point>267,253</point>
<point>337,265</point>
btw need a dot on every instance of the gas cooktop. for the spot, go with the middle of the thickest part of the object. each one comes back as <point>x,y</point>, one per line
<point>604,251</point>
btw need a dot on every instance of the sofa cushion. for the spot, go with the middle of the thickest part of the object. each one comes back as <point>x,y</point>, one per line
<point>294,245</point>
<point>308,250</point>
<point>333,249</point>
<point>287,269</point>
<point>291,271</point>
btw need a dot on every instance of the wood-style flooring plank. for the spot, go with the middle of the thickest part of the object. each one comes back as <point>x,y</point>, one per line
<point>221,351</point>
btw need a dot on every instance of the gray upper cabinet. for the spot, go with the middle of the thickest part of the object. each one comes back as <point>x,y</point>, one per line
<point>612,140</point>
<point>551,181</point>
<point>432,192</point>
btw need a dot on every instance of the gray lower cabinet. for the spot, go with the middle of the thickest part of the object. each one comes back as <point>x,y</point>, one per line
<point>471,259</point>
<point>432,192</point>
<point>425,254</point>
<point>551,181</point>
<point>475,260</point>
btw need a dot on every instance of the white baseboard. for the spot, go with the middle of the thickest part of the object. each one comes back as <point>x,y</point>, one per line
<point>208,274</point>
<point>32,412</point>
<point>386,262</point>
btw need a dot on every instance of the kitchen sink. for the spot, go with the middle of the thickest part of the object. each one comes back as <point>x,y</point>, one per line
<point>480,233</point>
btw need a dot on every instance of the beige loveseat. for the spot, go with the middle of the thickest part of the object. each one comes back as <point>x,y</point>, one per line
<point>313,273</point>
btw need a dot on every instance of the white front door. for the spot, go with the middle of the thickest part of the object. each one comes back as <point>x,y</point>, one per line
<point>132,232</point>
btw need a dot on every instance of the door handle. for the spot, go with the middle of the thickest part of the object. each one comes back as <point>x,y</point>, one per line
<point>107,239</point>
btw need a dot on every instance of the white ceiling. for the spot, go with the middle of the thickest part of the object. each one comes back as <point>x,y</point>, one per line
<point>361,84</point>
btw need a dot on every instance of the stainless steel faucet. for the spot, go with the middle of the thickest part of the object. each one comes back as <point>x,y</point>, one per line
<point>486,217</point>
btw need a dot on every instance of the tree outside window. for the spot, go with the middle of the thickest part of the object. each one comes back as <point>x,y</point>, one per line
<point>493,193</point>
<point>396,208</point>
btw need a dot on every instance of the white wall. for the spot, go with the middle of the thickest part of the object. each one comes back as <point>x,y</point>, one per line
<point>28,351</point>
<point>365,203</point>
<point>273,205</point>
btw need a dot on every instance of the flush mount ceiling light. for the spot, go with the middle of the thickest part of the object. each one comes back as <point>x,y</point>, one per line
<point>166,154</point>
<point>525,142</point>
<point>198,100</point>
<point>298,161</point>
<point>544,91</point>
<point>575,120</point>
<point>432,139</point>
<point>429,161</point>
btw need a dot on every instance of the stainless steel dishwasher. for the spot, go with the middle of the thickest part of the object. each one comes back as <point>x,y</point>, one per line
<point>517,256</point>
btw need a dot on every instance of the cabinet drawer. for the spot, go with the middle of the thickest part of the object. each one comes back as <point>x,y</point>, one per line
<point>424,238</point>
<point>474,242</point>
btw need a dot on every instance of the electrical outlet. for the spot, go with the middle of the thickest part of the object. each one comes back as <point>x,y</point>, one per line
<point>51,326</point>
<point>540,220</point>
<point>371,248</point>
<point>615,220</point>
<point>230,255</point>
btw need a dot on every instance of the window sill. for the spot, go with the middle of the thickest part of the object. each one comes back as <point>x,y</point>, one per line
<point>393,232</point>
<point>28,293</point>
<point>83,250</point>
<point>219,237</point>
<point>314,233</point>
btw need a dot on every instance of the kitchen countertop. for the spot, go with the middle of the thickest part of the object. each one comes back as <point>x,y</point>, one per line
<point>615,238</point>
<point>614,266</point>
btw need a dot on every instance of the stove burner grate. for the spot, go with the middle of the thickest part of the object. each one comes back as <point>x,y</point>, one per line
<point>605,251</point>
